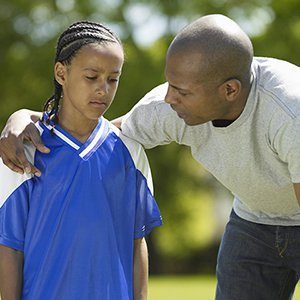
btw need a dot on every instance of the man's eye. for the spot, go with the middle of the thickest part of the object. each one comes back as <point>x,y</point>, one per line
<point>91,78</point>
<point>182,93</point>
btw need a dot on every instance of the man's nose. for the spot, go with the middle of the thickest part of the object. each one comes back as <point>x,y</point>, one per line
<point>171,96</point>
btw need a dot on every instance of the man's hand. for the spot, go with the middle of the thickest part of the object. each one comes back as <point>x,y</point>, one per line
<point>297,191</point>
<point>117,122</point>
<point>20,128</point>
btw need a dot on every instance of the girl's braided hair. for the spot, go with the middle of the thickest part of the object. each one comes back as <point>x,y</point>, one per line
<point>71,40</point>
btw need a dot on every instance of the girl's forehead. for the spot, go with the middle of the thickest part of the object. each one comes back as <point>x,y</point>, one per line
<point>107,48</point>
<point>100,54</point>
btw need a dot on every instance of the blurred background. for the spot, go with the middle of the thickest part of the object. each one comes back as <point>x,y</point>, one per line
<point>194,206</point>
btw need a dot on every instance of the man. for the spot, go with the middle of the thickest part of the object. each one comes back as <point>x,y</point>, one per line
<point>241,117</point>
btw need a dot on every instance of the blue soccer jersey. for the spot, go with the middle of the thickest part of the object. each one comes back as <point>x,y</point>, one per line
<point>76,223</point>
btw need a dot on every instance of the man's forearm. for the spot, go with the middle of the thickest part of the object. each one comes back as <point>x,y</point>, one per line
<point>140,269</point>
<point>24,113</point>
<point>17,122</point>
<point>11,273</point>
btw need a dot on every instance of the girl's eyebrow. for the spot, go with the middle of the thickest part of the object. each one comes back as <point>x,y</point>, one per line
<point>98,70</point>
<point>91,69</point>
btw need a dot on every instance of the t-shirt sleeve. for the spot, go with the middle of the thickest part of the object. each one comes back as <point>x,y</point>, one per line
<point>152,122</point>
<point>14,195</point>
<point>287,145</point>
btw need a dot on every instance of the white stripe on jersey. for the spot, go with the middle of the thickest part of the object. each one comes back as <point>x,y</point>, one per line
<point>96,138</point>
<point>138,155</point>
<point>11,180</point>
<point>63,137</point>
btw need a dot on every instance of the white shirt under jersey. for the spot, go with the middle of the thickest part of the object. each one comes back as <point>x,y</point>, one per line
<point>257,157</point>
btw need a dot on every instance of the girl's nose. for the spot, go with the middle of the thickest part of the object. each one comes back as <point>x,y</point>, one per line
<point>102,88</point>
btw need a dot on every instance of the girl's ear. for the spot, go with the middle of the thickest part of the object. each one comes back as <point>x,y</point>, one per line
<point>60,73</point>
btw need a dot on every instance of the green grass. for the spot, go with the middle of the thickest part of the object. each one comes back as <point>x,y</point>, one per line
<point>187,288</point>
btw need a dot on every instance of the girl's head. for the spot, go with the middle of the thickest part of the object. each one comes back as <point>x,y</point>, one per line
<point>88,64</point>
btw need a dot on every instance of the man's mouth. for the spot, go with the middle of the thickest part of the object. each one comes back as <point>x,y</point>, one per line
<point>180,114</point>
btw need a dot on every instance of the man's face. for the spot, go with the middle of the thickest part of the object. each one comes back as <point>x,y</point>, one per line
<point>195,99</point>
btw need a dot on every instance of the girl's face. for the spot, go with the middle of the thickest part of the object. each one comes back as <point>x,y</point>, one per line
<point>90,82</point>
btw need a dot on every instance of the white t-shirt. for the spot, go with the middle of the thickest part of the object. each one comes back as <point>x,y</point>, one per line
<point>257,157</point>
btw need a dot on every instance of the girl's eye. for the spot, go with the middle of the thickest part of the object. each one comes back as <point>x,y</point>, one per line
<point>114,79</point>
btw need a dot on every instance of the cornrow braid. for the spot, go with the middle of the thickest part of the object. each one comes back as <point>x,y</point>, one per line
<point>70,41</point>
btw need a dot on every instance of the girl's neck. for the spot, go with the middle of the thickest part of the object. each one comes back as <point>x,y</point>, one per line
<point>79,127</point>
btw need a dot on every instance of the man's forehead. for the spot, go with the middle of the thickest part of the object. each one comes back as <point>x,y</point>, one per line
<point>191,65</point>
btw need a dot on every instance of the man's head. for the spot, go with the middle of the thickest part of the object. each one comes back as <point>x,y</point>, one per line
<point>208,67</point>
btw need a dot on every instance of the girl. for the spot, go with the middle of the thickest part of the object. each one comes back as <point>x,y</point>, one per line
<point>77,231</point>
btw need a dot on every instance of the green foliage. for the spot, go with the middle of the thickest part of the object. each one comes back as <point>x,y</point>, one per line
<point>184,191</point>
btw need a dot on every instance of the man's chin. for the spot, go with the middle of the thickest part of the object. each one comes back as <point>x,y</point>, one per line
<point>192,122</point>
<point>185,119</point>
<point>189,121</point>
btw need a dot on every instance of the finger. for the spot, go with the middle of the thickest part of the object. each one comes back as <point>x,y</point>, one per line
<point>11,160</point>
<point>12,149</point>
<point>30,169</point>
<point>21,160</point>
<point>42,148</point>
<point>33,170</point>
<point>26,166</point>
<point>12,166</point>
<point>37,142</point>
<point>34,136</point>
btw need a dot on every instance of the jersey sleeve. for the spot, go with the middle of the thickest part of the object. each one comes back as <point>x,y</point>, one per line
<point>152,122</point>
<point>147,214</point>
<point>14,207</point>
<point>287,145</point>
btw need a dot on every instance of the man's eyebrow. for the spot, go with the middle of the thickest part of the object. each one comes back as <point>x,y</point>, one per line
<point>178,88</point>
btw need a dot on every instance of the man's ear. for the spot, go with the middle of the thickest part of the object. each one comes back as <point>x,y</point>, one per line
<point>230,89</point>
<point>60,71</point>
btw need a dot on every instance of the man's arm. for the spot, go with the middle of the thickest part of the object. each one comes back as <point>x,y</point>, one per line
<point>11,269</point>
<point>140,269</point>
<point>19,128</point>
<point>297,191</point>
